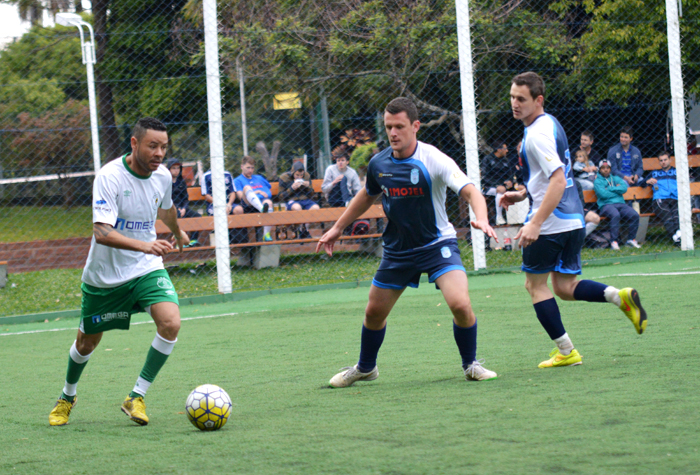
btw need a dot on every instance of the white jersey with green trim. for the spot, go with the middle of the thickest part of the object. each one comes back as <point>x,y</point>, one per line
<point>128,202</point>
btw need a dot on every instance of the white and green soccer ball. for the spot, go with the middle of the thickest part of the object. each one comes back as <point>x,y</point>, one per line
<point>208,407</point>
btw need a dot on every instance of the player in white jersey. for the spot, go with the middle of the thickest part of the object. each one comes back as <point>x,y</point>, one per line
<point>413,177</point>
<point>554,231</point>
<point>124,273</point>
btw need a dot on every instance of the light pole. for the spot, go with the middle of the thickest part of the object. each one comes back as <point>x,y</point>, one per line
<point>88,49</point>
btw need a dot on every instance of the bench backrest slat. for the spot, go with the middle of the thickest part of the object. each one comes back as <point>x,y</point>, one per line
<point>195,192</point>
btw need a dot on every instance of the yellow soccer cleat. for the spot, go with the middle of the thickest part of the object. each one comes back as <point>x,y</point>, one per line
<point>557,359</point>
<point>60,412</point>
<point>135,408</point>
<point>632,307</point>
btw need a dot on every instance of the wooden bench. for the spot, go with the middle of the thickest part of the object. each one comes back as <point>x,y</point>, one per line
<point>205,224</point>
<point>195,192</point>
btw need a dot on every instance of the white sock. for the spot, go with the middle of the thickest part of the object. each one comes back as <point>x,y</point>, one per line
<point>141,386</point>
<point>499,209</point>
<point>267,229</point>
<point>612,295</point>
<point>253,200</point>
<point>590,227</point>
<point>564,344</point>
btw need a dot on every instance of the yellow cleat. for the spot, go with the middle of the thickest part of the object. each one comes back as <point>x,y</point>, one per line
<point>557,359</point>
<point>60,412</point>
<point>135,408</point>
<point>632,307</point>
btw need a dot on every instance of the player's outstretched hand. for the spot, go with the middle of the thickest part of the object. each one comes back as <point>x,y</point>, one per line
<point>181,241</point>
<point>485,227</point>
<point>527,234</point>
<point>328,240</point>
<point>159,247</point>
<point>512,197</point>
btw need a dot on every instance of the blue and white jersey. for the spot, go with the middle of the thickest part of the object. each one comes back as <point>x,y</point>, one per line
<point>545,150</point>
<point>257,183</point>
<point>414,191</point>
<point>206,183</point>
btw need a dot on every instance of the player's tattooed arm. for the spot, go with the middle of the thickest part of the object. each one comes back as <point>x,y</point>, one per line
<point>101,230</point>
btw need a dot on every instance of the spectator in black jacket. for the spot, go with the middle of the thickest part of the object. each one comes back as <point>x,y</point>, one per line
<point>181,199</point>
<point>497,176</point>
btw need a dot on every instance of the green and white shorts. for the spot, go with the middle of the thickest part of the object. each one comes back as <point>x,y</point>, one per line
<point>110,309</point>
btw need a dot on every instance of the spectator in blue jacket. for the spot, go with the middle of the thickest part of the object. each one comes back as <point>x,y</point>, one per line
<point>626,159</point>
<point>609,190</point>
<point>665,189</point>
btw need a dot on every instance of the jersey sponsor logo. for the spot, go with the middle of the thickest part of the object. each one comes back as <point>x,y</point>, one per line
<point>100,202</point>
<point>415,176</point>
<point>136,226</point>
<point>446,253</point>
<point>169,292</point>
<point>102,208</point>
<point>108,317</point>
<point>164,283</point>
<point>403,191</point>
<point>381,175</point>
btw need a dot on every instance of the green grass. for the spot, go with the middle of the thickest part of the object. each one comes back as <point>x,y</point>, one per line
<point>29,223</point>
<point>630,409</point>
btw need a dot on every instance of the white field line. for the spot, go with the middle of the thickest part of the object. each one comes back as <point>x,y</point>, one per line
<point>135,323</point>
<point>651,274</point>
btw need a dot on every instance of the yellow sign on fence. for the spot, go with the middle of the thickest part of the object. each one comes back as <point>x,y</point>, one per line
<point>286,100</point>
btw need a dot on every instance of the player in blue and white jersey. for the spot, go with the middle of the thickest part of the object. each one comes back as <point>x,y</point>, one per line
<point>554,231</point>
<point>412,177</point>
<point>231,206</point>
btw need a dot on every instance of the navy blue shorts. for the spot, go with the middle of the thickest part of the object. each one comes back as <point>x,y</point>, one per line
<point>404,268</point>
<point>555,252</point>
<point>305,204</point>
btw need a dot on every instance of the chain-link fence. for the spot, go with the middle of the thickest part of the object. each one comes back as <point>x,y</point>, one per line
<point>307,82</point>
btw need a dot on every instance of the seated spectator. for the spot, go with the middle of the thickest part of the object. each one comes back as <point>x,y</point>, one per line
<point>626,159</point>
<point>254,192</point>
<point>665,189</point>
<point>297,192</point>
<point>497,176</point>
<point>590,217</point>
<point>584,170</point>
<point>237,235</point>
<point>587,146</point>
<point>340,183</point>
<point>181,199</point>
<point>609,189</point>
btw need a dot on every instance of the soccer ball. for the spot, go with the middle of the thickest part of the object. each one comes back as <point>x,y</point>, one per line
<point>208,407</point>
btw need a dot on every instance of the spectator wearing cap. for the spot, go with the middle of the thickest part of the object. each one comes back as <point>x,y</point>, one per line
<point>340,182</point>
<point>609,189</point>
<point>297,192</point>
<point>626,159</point>
<point>181,199</point>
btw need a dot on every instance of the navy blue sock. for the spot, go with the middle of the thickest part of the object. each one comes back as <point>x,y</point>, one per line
<point>590,291</point>
<point>369,347</point>
<point>466,342</point>
<point>550,318</point>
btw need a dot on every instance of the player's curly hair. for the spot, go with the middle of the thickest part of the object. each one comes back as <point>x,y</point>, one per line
<point>403,104</point>
<point>147,123</point>
<point>533,81</point>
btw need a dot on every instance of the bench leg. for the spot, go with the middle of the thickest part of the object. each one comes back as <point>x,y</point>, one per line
<point>3,274</point>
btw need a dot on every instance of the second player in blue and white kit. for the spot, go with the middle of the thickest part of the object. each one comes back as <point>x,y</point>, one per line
<point>553,234</point>
<point>413,177</point>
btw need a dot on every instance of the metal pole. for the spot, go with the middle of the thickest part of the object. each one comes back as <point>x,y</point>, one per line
<point>88,53</point>
<point>471,148</point>
<point>216,146</point>
<point>680,144</point>
<point>244,122</point>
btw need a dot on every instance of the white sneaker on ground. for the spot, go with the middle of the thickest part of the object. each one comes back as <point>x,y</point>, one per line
<point>615,245</point>
<point>633,243</point>
<point>476,372</point>
<point>350,374</point>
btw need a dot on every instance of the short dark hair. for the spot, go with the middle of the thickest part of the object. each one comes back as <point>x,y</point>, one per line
<point>626,130</point>
<point>247,159</point>
<point>533,81</point>
<point>498,144</point>
<point>588,134</point>
<point>662,153</point>
<point>147,123</point>
<point>403,104</point>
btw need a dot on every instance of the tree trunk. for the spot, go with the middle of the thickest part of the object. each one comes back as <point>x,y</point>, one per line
<point>109,135</point>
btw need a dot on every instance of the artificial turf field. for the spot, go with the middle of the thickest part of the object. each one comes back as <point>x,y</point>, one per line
<point>631,408</point>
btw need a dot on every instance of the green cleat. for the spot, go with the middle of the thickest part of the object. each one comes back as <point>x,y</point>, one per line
<point>632,307</point>
<point>557,359</point>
